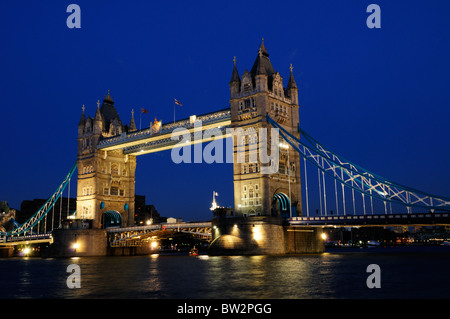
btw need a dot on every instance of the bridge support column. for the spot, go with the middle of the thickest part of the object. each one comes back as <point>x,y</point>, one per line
<point>77,243</point>
<point>262,235</point>
<point>7,251</point>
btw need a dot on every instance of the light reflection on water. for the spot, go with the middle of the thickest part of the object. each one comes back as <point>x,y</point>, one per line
<point>328,275</point>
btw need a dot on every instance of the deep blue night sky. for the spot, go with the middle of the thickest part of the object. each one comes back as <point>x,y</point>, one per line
<point>379,97</point>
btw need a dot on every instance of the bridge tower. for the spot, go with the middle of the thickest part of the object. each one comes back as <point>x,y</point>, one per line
<point>105,188</point>
<point>253,96</point>
<point>262,196</point>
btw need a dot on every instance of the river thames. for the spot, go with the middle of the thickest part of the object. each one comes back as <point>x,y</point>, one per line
<point>405,272</point>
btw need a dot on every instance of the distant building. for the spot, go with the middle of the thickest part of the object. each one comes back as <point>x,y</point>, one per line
<point>223,212</point>
<point>172,220</point>
<point>146,214</point>
<point>7,214</point>
<point>60,211</point>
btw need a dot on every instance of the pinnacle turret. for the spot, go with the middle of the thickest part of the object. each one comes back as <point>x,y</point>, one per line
<point>235,75</point>
<point>291,82</point>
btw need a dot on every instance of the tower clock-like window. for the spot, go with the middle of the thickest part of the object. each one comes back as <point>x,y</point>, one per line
<point>114,191</point>
<point>114,169</point>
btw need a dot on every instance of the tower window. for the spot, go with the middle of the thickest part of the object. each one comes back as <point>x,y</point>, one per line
<point>114,191</point>
<point>114,169</point>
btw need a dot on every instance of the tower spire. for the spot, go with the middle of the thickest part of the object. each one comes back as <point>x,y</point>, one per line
<point>108,98</point>
<point>132,123</point>
<point>98,115</point>
<point>83,117</point>
<point>235,75</point>
<point>291,82</point>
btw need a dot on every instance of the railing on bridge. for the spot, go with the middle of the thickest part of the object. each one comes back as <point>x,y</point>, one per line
<point>36,238</point>
<point>137,235</point>
<point>137,139</point>
<point>374,220</point>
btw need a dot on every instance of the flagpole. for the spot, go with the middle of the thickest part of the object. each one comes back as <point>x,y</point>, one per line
<point>140,121</point>
<point>174,112</point>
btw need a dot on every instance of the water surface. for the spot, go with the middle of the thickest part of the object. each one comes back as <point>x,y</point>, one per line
<point>407,272</point>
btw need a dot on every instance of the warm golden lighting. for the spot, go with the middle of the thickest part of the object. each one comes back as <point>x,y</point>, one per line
<point>235,230</point>
<point>76,246</point>
<point>26,251</point>
<point>154,244</point>
<point>324,236</point>
<point>257,233</point>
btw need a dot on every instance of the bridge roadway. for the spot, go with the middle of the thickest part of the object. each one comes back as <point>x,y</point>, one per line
<point>146,141</point>
<point>382,220</point>
<point>128,235</point>
<point>27,239</point>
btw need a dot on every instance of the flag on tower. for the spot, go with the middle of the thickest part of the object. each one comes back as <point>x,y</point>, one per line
<point>144,110</point>
<point>178,102</point>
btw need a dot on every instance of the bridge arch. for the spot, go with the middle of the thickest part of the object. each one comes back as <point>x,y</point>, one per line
<point>281,204</point>
<point>111,218</point>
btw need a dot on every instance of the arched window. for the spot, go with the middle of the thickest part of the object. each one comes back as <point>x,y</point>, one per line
<point>114,169</point>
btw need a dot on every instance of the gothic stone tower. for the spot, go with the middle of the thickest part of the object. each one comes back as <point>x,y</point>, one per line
<point>253,96</point>
<point>105,190</point>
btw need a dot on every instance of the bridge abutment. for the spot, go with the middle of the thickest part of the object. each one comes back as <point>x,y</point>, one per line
<point>77,243</point>
<point>262,235</point>
<point>7,251</point>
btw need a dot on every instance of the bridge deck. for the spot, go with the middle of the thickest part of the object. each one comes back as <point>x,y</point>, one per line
<point>145,141</point>
<point>429,219</point>
<point>135,235</point>
<point>27,239</point>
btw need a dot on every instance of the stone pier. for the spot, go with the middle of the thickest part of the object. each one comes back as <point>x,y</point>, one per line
<point>77,243</point>
<point>262,235</point>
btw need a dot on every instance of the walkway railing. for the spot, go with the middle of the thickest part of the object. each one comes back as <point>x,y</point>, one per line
<point>209,118</point>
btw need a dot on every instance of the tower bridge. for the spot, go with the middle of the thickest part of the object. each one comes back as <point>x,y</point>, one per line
<point>107,149</point>
<point>272,209</point>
